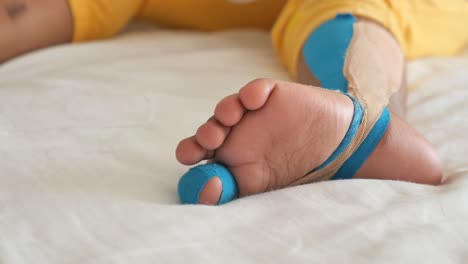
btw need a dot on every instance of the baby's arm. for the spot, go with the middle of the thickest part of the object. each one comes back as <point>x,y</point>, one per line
<point>29,25</point>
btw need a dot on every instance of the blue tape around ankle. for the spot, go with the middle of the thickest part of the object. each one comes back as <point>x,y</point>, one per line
<point>193,182</point>
<point>348,138</point>
<point>354,163</point>
<point>324,53</point>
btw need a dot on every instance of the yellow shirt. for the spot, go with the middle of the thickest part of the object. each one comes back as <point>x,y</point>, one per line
<point>423,27</point>
<point>103,18</point>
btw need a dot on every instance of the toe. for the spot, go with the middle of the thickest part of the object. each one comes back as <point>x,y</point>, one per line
<point>212,134</point>
<point>249,185</point>
<point>211,193</point>
<point>229,111</point>
<point>255,94</point>
<point>189,152</point>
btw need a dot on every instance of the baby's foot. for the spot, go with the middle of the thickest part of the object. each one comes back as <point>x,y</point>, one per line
<point>272,133</point>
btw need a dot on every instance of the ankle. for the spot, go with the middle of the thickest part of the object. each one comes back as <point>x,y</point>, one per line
<point>403,154</point>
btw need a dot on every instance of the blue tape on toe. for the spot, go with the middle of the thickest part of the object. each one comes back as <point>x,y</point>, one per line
<point>192,182</point>
<point>354,163</point>
<point>325,51</point>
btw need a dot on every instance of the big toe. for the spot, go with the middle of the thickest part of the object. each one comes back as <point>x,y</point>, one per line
<point>255,94</point>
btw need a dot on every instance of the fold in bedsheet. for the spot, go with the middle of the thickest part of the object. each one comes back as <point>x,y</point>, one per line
<point>88,174</point>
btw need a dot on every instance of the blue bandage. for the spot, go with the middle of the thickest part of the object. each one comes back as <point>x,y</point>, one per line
<point>193,182</point>
<point>348,138</point>
<point>324,53</point>
<point>354,163</point>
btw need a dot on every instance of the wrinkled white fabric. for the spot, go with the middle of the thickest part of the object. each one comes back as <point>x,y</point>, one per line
<point>88,173</point>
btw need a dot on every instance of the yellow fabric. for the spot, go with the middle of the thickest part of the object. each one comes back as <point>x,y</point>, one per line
<point>95,19</point>
<point>422,27</point>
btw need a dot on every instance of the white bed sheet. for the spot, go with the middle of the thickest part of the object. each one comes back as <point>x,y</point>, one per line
<point>88,174</point>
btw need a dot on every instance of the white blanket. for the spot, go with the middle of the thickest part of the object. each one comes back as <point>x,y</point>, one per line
<point>88,173</point>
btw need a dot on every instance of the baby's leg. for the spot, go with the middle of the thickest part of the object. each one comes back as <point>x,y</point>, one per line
<point>272,133</point>
<point>378,65</point>
<point>27,25</point>
<point>397,102</point>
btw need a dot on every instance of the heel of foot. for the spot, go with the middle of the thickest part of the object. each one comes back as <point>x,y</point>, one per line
<point>193,182</point>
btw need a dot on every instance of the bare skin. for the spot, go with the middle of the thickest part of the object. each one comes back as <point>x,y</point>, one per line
<point>272,133</point>
<point>269,134</point>
<point>28,25</point>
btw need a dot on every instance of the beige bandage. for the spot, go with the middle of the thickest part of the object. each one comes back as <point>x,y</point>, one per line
<point>373,67</point>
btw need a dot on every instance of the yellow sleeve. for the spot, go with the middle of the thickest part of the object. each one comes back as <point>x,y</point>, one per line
<point>94,19</point>
<point>422,27</point>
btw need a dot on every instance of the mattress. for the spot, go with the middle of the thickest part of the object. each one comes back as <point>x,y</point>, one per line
<point>88,172</point>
